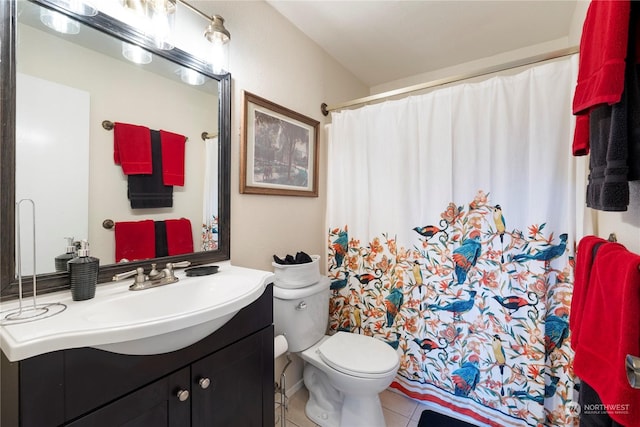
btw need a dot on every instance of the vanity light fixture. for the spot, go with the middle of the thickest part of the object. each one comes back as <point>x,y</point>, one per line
<point>216,33</point>
<point>135,54</point>
<point>162,18</point>
<point>156,18</point>
<point>218,36</point>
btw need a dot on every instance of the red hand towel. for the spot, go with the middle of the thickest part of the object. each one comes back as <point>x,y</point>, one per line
<point>584,263</point>
<point>610,330</point>
<point>603,49</point>
<point>135,240</point>
<point>580,145</point>
<point>173,146</point>
<point>132,148</point>
<point>179,236</point>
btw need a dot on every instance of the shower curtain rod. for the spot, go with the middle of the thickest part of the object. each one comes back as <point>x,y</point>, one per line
<point>439,82</point>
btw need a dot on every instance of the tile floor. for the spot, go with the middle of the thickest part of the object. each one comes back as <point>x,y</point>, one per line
<point>399,411</point>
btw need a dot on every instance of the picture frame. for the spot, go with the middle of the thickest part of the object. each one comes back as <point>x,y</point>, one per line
<point>279,150</point>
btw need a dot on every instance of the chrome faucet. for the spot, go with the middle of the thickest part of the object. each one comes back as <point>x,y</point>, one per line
<point>155,278</point>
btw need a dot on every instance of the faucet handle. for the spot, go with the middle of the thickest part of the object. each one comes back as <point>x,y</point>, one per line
<point>172,265</point>
<point>168,270</point>
<point>138,271</point>
<point>153,271</point>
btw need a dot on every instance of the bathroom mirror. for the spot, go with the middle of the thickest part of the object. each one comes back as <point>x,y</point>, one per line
<point>88,81</point>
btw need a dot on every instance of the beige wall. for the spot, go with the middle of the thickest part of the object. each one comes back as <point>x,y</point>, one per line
<point>270,58</point>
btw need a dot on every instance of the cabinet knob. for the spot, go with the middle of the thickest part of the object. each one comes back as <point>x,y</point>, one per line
<point>204,383</point>
<point>183,395</point>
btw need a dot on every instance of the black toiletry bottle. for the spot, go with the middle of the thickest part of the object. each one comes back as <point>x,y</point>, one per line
<point>62,260</point>
<point>83,274</point>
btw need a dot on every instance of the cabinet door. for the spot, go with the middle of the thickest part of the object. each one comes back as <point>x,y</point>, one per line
<point>157,405</point>
<point>236,380</point>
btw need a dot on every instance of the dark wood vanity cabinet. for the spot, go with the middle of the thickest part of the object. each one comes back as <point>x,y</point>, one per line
<point>226,379</point>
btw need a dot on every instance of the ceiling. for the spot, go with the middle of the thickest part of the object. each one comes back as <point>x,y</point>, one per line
<point>382,41</point>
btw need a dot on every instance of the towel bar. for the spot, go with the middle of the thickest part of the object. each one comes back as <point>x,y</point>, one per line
<point>207,135</point>
<point>109,125</point>
<point>614,238</point>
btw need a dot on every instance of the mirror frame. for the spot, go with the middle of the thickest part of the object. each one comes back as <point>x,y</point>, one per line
<point>52,282</point>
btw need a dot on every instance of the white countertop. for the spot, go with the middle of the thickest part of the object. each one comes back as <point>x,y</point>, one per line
<point>149,321</point>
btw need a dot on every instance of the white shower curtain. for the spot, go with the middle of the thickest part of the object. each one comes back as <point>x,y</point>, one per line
<point>210,233</point>
<point>452,222</point>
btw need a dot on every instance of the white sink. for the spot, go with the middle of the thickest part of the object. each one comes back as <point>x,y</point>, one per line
<point>151,321</point>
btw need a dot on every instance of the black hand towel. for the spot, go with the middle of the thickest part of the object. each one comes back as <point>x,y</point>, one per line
<point>300,258</point>
<point>161,239</point>
<point>608,188</point>
<point>149,191</point>
<point>633,87</point>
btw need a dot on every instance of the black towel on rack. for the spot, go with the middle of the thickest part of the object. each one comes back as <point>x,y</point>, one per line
<point>161,238</point>
<point>608,188</point>
<point>633,154</point>
<point>148,191</point>
<point>633,86</point>
<point>614,135</point>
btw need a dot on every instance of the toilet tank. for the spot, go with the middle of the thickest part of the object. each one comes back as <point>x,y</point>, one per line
<point>302,314</point>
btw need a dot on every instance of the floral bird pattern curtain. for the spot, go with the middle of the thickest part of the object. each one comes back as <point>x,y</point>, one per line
<point>471,284</point>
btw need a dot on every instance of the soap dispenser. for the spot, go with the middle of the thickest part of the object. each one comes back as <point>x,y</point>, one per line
<point>83,274</point>
<point>62,260</point>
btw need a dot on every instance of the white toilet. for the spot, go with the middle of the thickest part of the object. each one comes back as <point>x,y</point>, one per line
<point>345,372</point>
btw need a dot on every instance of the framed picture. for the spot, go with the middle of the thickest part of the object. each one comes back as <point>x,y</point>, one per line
<point>279,153</point>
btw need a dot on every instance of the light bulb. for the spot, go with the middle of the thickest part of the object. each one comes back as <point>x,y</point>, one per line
<point>191,77</point>
<point>58,22</point>
<point>135,54</point>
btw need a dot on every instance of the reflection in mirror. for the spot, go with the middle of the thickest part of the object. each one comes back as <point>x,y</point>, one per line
<point>66,85</point>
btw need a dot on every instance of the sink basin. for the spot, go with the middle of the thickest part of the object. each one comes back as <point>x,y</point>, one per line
<point>152,321</point>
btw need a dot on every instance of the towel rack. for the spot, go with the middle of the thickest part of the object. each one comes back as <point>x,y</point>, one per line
<point>207,135</point>
<point>109,125</point>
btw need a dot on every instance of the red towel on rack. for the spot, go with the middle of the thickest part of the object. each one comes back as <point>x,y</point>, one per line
<point>179,236</point>
<point>587,249</point>
<point>173,146</point>
<point>610,329</point>
<point>132,148</point>
<point>135,240</point>
<point>603,49</point>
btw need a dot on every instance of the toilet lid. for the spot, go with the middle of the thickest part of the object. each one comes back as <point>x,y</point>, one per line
<point>358,355</point>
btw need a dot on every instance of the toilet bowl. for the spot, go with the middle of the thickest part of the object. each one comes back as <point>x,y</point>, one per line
<point>344,372</point>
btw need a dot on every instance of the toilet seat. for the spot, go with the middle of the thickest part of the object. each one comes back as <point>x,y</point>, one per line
<point>358,355</point>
